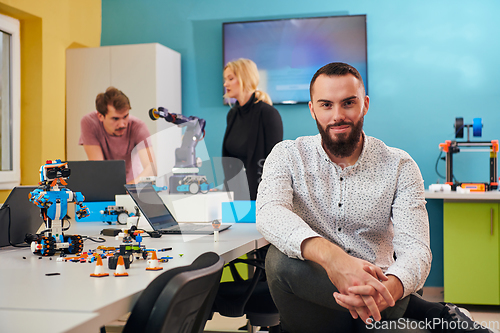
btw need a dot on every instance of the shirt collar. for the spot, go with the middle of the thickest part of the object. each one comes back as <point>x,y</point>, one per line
<point>361,157</point>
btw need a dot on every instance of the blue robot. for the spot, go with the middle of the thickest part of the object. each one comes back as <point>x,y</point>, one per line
<point>52,197</point>
<point>116,214</point>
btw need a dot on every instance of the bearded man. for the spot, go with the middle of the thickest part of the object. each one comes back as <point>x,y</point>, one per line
<point>346,218</point>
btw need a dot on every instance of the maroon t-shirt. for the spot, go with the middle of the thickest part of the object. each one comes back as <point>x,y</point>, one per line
<point>114,147</point>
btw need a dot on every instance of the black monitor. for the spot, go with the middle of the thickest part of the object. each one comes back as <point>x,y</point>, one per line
<point>289,51</point>
<point>22,215</point>
<point>97,180</point>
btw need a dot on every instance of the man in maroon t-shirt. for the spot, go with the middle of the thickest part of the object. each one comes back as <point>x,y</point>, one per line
<point>111,133</point>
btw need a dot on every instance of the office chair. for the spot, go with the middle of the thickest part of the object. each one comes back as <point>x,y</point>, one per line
<point>248,297</point>
<point>179,300</point>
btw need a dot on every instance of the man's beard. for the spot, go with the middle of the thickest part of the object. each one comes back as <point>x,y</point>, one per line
<point>345,145</point>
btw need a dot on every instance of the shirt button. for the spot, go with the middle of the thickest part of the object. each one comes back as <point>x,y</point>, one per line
<point>339,229</point>
<point>341,178</point>
<point>348,251</point>
<point>340,204</point>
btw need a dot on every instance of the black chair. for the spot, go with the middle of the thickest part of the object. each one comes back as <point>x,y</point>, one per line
<point>248,297</point>
<point>179,300</point>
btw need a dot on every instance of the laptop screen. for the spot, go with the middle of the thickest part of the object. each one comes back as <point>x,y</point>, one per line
<point>151,205</point>
<point>97,180</point>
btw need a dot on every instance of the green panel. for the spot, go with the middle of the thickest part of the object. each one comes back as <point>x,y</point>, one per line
<point>471,253</point>
<point>242,269</point>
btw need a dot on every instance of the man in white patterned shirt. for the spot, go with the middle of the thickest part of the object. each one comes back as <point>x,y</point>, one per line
<point>347,220</point>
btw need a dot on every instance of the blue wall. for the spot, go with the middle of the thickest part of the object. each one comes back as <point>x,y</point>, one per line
<point>428,62</point>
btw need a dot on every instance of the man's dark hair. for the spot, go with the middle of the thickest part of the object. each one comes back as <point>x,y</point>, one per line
<point>113,97</point>
<point>336,69</point>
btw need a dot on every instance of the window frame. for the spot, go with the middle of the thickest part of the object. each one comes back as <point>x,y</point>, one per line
<point>10,25</point>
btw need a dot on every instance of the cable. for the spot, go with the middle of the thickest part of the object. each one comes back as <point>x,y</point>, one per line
<point>96,240</point>
<point>152,234</point>
<point>436,167</point>
<point>67,218</point>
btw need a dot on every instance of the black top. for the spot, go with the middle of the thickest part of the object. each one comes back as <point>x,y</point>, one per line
<point>252,131</point>
<point>236,141</point>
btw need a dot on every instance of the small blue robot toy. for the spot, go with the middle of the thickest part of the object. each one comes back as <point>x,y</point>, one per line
<point>52,197</point>
<point>116,214</point>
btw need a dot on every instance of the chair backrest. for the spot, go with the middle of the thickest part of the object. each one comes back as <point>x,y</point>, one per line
<point>248,297</point>
<point>178,300</point>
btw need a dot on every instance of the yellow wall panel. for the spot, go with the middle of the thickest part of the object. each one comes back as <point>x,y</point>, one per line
<point>48,28</point>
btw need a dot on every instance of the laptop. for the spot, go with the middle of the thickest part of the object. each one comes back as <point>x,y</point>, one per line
<point>24,216</point>
<point>97,180</point>
<point>159,217</point>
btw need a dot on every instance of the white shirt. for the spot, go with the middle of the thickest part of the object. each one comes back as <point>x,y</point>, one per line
<point>372,209</point>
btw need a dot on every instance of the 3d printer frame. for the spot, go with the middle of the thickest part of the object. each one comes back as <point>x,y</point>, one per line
<point>451,147</point>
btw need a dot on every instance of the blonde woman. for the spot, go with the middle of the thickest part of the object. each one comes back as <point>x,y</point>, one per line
<point>254,126</point>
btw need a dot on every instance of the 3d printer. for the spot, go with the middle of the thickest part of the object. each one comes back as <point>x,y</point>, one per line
<point>452,147</point>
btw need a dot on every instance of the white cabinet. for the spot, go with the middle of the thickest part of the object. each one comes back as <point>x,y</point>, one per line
<point>149,74</point>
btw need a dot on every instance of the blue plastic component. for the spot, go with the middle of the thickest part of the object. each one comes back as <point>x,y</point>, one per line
<point>238,211</point>
<point>183,188</point>
<point>477,126</point>
<point>71,247</point>
<point>205,187</point>
<point>43,248</point>
<point>160,188</point>
<point>95,208</point>
<point>108,218</point>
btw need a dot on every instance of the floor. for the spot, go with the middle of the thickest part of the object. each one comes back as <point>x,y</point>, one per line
<point>221,324</point>
<point>486,315</point>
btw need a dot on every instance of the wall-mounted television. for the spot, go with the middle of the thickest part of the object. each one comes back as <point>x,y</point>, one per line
<point>289,51</point>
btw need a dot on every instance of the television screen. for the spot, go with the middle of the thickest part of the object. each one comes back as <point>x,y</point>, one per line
<point>289,51</point>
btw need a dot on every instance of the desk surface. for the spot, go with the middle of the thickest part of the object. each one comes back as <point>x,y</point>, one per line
<point>492,195</point>
<point>25,287</point>
<point>47,322</point>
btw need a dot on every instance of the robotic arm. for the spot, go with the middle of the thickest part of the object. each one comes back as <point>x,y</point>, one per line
<point>185,156</point>
<point>185,178</point>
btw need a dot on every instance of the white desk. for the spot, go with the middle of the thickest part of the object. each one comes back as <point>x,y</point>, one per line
<point>491,195</point>
<point>47,321</point>
<point>25,287</point>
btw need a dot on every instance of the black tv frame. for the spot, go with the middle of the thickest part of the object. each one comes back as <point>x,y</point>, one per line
<point>297,18</point>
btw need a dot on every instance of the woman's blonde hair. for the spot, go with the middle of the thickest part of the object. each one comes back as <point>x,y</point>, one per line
<point>247,74</point>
